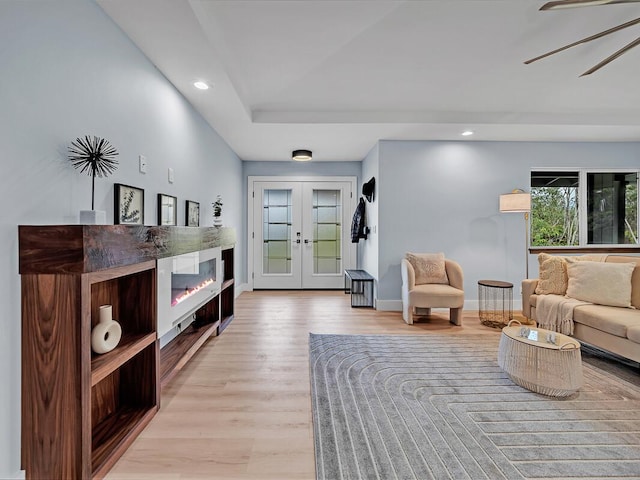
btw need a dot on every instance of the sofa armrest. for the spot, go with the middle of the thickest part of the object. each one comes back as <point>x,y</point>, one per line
<point>528,288</point>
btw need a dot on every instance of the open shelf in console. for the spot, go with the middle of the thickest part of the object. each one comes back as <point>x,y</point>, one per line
<point>227,295</point>
<point>180,349</point>
<point>178,352</point>
<point>122,403</point>
<point>130,346</point>
<point>124,390</point>
<point>130,290</point>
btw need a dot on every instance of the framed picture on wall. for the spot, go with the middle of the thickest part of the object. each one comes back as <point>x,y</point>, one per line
<point>167,209</point>
<point>192,214</point>
<point>128,205</point>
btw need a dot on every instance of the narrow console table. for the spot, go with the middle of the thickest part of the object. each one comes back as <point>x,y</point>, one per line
<point>359,284</point>
<point>80,410</point>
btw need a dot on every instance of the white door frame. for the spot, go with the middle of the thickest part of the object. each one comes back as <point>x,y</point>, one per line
<point>350,250</point>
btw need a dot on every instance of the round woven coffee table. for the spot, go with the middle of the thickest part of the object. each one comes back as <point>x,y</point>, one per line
<point>553,369</point>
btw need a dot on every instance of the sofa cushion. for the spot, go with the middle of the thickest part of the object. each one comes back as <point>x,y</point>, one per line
<point>602,283</point>
<point>633,333</point>
<point>428,267</point>
<point>611,320</point>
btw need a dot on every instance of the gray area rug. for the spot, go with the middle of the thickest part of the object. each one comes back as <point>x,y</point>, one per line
<point>437,407</point>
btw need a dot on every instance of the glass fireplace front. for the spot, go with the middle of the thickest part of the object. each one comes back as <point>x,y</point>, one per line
<point>185,283</point>
<point>189,275</point>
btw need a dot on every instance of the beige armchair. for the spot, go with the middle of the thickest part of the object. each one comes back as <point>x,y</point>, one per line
<point>432,295</point>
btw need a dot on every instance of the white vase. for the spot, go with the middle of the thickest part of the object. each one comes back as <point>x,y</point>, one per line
<point>217,221</point>
<point>106,335</point>
<point>93,217</point>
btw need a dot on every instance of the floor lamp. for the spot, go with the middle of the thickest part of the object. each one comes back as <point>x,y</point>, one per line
<point>519,201</point>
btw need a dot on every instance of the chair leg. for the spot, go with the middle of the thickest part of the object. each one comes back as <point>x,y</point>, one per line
<point>455,316</point>
<point>407,314</point>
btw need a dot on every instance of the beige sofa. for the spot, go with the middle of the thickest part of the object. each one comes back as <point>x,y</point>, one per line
<point>614,329</point>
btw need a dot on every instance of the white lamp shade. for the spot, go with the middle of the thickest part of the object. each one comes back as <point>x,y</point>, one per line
<point>515,202</point>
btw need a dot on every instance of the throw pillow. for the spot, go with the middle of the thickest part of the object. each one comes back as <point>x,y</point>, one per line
<point>429,267</point>
<point>601,283</point>
<point>552,275</point>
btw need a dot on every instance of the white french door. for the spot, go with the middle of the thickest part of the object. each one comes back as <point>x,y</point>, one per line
<point>300,233</point>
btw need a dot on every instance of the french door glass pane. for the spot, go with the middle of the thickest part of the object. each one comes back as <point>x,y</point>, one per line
<point>276,231</point>
<point>327,231</point>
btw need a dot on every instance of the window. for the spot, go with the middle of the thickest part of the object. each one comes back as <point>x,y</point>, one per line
<point>584,208</point>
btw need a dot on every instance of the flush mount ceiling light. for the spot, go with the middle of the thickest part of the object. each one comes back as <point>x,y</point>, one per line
<point>466,133</point>
<point>301,155</point>
<point>201,85</point>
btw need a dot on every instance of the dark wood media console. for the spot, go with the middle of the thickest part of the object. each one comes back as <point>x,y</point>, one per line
<point>80,410</point>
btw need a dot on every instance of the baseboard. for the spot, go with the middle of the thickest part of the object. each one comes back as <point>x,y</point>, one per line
<point>389,305</point>
<point>396,305</point>
<point>242,287</point>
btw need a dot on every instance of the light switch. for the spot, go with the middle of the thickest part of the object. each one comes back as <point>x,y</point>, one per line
<point>143,163</point>
<point>171,175</point>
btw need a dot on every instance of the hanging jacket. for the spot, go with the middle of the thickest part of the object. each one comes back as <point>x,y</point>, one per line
<point>357,225</point>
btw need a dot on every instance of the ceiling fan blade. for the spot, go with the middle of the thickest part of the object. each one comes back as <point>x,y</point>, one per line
<point>612,57</point>
<point>559,4</point>
<point>587,39</point>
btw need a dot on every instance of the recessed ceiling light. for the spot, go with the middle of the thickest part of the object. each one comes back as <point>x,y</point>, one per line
<point>466,133</point>
<point>201,85</point>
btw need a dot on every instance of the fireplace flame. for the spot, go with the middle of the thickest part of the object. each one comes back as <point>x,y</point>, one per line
<point>189,293</point>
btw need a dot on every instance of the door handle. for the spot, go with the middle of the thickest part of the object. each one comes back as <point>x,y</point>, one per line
<point>306,240</point>
<point>298,240</point>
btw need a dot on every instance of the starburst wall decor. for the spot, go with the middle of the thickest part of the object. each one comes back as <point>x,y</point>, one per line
<point>96,156</point>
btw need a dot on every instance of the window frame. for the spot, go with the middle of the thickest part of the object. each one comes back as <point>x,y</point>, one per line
<point>583,221</point>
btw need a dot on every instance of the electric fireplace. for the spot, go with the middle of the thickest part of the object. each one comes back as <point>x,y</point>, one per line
<point>185,283</point>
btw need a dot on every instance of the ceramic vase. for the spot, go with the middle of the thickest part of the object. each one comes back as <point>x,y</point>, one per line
<point>106,335</point>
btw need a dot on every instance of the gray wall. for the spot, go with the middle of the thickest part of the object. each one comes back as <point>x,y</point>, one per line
<point>443,197</point>
<point>67,71</point>
<point>301,169</point>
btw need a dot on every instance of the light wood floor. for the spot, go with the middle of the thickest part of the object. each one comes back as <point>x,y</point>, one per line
<point>241,409</point>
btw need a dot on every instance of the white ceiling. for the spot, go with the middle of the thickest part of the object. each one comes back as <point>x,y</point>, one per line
<point>336,76</point>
